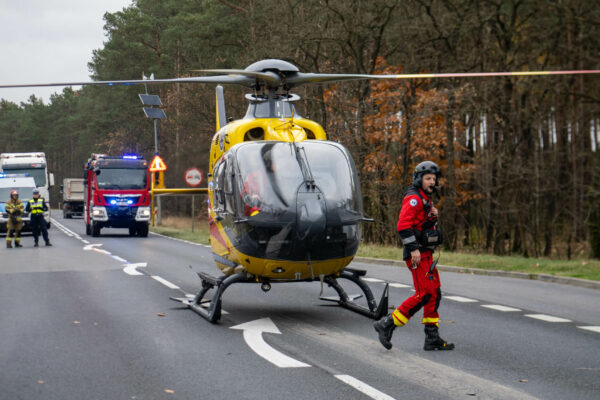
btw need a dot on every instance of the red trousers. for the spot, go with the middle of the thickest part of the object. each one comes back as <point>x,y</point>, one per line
<point>427,293</point>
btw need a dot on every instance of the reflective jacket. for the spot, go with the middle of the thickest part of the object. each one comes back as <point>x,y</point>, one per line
<point>36,206</point>
<point>15,209</point>
<point>415,216</point>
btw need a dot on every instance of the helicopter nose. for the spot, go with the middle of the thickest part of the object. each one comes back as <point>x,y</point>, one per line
<point>310,214</point>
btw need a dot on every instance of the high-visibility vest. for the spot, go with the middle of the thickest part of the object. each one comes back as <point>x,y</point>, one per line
<point>36,206</point>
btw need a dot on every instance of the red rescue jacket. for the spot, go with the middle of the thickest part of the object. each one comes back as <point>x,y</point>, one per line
<point>415,216</point>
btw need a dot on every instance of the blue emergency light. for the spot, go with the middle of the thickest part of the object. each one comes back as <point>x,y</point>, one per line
<point>3,175</point>
<point>130,157</point>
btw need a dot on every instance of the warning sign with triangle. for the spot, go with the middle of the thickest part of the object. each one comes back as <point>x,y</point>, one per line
<point>157,164</point>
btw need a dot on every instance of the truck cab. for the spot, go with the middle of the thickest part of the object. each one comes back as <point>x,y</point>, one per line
<point>35,165</point>
<point>117,194</point>
<point>22,183</point>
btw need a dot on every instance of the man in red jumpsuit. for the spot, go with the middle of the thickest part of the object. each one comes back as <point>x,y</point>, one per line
<point>417,226</point>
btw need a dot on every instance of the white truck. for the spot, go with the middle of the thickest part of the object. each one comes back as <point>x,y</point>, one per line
<point>24,185</point>
<point>33,164</point>
<point>72,201</point>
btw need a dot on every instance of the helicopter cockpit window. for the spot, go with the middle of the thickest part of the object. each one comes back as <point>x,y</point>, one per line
<point>271,176</point>
<point>219,186</point>
<point>228,188</point>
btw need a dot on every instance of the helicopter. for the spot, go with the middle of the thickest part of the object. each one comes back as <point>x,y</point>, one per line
<point>284,202</point>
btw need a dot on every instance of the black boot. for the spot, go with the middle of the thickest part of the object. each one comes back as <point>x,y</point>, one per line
<point>385,327</point>
<point>18,244</point>
<point>433,341</point>
<point>35,244</point>
<point>8,245</point>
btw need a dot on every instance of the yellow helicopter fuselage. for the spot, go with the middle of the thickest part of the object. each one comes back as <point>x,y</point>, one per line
<point>229,257</point>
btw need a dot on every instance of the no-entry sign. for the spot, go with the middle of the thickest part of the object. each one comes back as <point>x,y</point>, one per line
<point>193,177</point>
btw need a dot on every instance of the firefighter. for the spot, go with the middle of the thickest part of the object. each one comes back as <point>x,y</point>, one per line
<point>36,208</point>
<point>14,209</point>
<point>417,227</point>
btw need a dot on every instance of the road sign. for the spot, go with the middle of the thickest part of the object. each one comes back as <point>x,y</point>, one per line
<point>157,164</point>
<point>193,177</point>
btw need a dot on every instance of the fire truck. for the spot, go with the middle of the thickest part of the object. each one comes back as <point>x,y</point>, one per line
<point>117,194</point>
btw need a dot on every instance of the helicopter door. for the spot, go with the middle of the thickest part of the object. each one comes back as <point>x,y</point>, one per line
<point>219,188</point>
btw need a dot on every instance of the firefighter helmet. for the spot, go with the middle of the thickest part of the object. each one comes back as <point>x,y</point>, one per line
<point>14,193</point>
<point>426,167</point>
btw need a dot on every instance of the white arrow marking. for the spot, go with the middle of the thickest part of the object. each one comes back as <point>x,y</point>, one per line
<point>91,246</point>
<point>130,269</point>
<point>253,331</point>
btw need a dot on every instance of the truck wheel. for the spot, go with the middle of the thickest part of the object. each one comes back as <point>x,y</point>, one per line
<point>95,229</point>
<point>142,230</point>
<point>88,230</point>
<point>132,231</point>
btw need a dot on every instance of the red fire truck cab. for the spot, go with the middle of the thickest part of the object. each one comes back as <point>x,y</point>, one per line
<point>117,194</point>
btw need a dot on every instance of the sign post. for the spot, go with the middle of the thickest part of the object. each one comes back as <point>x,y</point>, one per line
<point>156,166</point>
<point>193,178</point>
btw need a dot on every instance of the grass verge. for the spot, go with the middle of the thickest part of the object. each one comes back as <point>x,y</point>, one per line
<point>584,269</point>
<point>181,228</point>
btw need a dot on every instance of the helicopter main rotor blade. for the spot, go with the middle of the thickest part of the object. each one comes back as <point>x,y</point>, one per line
<point>224,79</point>
<point>300,78</point>
<point>271,78</point>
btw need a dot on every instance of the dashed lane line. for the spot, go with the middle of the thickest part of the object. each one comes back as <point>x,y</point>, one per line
<point>374,280</point>
<point>547,318</point>
<point>165,282</point>
<point>363,387</point>
<point>499,307</point>
<point>590,328</point>
<point>461,299</point>
<point>399,285</point>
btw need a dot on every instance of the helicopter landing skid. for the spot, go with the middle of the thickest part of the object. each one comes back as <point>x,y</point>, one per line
<point>374,311</point>
<point>210,309</point>
<point>212,312</point>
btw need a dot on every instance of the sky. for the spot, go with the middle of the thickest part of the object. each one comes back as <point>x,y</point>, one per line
<point>45,41</point>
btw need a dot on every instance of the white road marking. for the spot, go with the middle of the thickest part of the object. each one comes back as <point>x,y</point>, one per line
<point>547,318</point>
<point>253,331</point>
<point>373,280</point>
<point>85,241</point>
<point>130,269</point>
<point>461,299</point>
<point>590,328</point>
<point>363,387</point>
<point>101,251</point>
<point>91,246</point>
<point>119,258</point>
<point>398,285</point>
<point>498,307</point>
<point>165,282</point>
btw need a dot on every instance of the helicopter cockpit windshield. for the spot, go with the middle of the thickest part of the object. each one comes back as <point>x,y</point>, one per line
<point>271,176</point>
<point>276,204</point>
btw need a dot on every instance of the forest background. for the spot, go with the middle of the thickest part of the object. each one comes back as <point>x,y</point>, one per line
<point>520,155</point>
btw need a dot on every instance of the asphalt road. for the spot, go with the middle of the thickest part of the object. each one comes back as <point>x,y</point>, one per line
<point>90,318</point>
